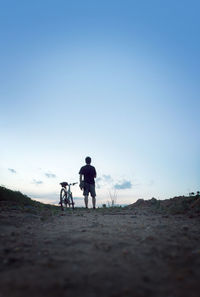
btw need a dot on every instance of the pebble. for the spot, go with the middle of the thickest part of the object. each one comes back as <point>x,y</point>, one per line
<point>7,250</point>
<point>185,228</point>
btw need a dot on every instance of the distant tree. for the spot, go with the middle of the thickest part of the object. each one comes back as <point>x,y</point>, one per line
<point>191,194</point>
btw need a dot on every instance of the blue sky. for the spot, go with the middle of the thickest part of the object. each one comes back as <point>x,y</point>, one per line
<point>115,80</point>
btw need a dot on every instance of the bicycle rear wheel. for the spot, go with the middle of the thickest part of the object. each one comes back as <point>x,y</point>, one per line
<point>63,199</point>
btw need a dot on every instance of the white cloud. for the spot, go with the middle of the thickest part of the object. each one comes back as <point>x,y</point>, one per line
<point>126,184</point>
<point>107,181</point>
<point>104,180</point>
<point>12,170</point>
<point>37,182</point>
<point>50,175</point>
<point>107,178</point>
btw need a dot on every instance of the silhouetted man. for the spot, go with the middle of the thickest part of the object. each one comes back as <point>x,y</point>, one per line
<point>87,183</point>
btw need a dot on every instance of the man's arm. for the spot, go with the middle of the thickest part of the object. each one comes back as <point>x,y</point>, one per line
<point>81,185</point>
<point>81,178</point>
<point>81,174</point>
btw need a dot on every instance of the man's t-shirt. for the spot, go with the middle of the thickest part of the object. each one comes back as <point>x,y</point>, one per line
<point>89,173</point>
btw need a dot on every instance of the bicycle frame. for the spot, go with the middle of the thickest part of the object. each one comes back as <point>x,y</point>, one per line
<point>66,198</point>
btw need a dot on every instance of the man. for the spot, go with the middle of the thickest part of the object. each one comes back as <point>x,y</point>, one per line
<point>87,183</point>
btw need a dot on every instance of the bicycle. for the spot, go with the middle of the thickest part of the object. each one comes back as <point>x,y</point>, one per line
<point>66,198</point>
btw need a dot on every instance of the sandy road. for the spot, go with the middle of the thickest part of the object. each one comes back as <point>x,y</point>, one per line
<point>99,253</point>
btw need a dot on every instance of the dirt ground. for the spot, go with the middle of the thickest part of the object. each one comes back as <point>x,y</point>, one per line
<point>99,253</point>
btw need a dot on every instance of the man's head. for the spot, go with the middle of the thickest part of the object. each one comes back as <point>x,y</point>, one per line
<point>88,160</point>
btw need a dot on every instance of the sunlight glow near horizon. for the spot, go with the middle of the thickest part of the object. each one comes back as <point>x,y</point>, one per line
<point>120,84</point>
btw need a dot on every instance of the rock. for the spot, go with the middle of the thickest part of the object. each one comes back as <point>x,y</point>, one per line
<point>7,250</point>
<point>185,228</point>
<point>150,238</point>
<point>146,279</point>
<point>125,252</point>
<point>10,261</point>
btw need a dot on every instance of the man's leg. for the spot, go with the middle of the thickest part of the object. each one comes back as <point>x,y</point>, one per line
<point>86,201</point>
<point>86,193</point>
<point>93,194</point>
<point>94,202</point>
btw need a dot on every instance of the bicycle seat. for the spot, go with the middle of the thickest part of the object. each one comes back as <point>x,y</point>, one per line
<point>64,184</point>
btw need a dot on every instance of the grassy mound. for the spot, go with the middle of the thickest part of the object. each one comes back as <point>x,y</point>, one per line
<point>176,205</point>
<point>16,200</point>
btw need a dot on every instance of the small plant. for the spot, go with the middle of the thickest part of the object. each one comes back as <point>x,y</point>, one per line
<point>113,198</point>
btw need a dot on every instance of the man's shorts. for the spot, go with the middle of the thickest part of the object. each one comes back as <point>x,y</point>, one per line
<point>89,188</point>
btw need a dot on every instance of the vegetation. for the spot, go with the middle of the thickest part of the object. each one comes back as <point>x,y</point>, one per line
<point>176,205</point>
<point>10,199</point>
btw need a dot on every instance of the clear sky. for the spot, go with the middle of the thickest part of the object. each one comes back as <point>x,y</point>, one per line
<point>116,80</point>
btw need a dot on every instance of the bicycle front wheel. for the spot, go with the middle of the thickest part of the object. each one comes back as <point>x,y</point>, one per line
<point>71,201</point>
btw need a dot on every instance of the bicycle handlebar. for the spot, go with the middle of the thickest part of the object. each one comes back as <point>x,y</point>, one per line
<point>64,184</point>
